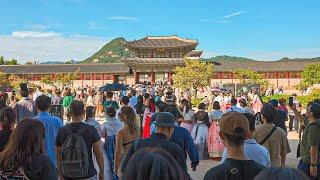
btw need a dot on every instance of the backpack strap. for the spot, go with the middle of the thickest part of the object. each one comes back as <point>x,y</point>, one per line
<point>83,129</point>
<point>68,130</point>
<point>268,136</point>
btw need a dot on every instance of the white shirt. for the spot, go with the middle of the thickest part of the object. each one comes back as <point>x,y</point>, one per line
<point>199,133</point>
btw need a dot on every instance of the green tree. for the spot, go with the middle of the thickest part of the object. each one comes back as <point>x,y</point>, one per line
<point>11,62</point>
<point>311,74</point>
<point>2,60</point>
<point>194,75</point>
<point>249,76</point>
<point>4,81</point>
<point>60,81</point>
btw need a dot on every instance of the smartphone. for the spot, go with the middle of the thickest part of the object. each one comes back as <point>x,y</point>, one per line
<point>291,101</point>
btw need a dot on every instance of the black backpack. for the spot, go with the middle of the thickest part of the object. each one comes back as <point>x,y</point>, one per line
<point>75,158</point>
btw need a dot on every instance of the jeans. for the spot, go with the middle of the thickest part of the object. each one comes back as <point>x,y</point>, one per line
<point>305,167</point>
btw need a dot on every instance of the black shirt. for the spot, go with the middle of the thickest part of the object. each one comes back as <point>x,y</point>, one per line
<point>233,169</point>
<point>90,137</point>
<point>157,140</point>
<point>4,138</point>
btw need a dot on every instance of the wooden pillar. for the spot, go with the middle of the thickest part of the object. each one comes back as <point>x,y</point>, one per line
<point>136,77</point>
<point>220,76</point>
<point>93,76</point>
<point>288,77</point>
<point>103,79</point>
<point>153,78</point>
<point>277,74</point>
<point>170,78</point>
<point>82,78</point>
<point>114,78</point>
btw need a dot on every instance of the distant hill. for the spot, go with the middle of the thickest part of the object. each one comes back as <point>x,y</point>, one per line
<point>112,52</point>
<point>316,59</point>
<point>53,62</point>
<point>225,58</point>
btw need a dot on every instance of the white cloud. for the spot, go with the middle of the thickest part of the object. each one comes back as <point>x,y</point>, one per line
<point>233,14</point>
<point>53,47</point>
<point>94,26</point>
<point>34,34</point>
<point>123,18</point>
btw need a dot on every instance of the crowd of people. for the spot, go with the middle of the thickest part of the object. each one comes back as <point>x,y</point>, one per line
<point>149,133</point>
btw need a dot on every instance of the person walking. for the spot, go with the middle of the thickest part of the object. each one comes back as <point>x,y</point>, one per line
<point>165,123</point>
<point>109,131</point>
<point>51,124</point>
<point>7,120</point>
<point>309,146</point>
<point>24,157</point>
<point>233,132</point>
<point>67,100</point>
<point>25,108</point>
<point>215,145</point>
<point>272,137</point>
<point>85,135</point>
<point>252,150</point>
<point>187,114</point>
<point>126,136</point>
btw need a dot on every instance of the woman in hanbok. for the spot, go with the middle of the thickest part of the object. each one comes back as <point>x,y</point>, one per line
<point>215,145</point>
<point>256,103</point>
<point>149,111</point>
<point>187,113</point>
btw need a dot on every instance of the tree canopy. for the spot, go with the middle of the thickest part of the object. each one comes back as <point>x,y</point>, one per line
<point>59,81</point>
<point>311,74</point>
<point>194,75</point>
<point>249,76</point>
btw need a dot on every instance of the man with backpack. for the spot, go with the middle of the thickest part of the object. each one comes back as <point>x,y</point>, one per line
<point>74,145</point>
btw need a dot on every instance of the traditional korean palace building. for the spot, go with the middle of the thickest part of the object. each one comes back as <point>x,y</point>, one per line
<point>155,58</point>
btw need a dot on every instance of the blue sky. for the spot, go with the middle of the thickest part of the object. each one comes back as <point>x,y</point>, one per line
<point>74,29</point>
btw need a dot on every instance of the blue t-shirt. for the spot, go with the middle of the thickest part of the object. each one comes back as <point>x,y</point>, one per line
<point>51,125</point>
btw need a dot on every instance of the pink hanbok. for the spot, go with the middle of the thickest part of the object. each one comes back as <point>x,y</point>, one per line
<point>215,146</point>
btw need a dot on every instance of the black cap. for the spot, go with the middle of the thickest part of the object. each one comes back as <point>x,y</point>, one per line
<point>165,119</point>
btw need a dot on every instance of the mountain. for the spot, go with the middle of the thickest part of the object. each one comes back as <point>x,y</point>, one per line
<point>53,62</point>
<point>225,58</point>
<point>316,59</point>
<point>112,52</point>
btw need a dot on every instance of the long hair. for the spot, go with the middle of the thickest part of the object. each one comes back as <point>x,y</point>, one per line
<point>155,164</point>
<point>7,117</point>
<point>151,105</point>
<point>130,118</point>
<point>25,142</point>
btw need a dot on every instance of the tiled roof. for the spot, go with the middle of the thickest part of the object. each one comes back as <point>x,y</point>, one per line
<point>194,53</point>
<point>262,66</point>
<point>161,42</point>
<point>160,61</point>
<point>114,68</point>
<point>65,68</point>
